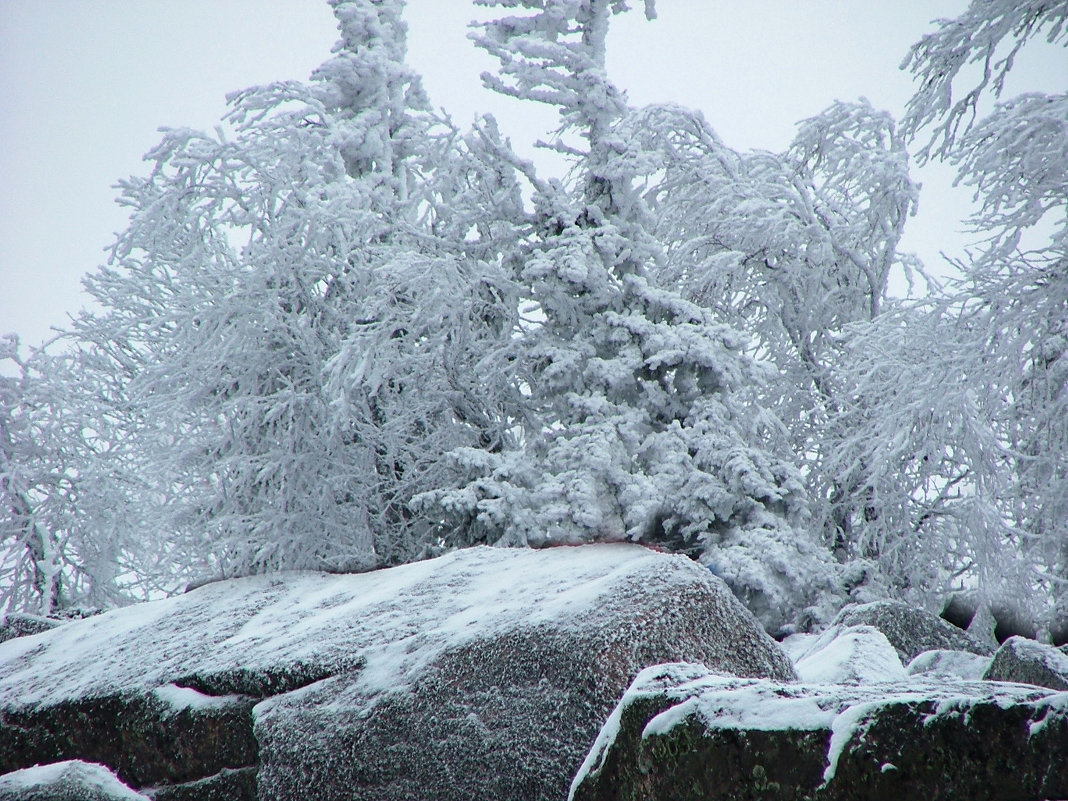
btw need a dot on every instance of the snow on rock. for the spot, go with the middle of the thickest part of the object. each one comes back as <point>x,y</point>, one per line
<point>397,620</point>
<point>480,673</point>
<point>498,687</point>
<point>683,732</point>
<point>850,655</point>
<point>911,631</point>
<point>1022,660</point>
<point>943,662</point>
<point>66,781</point>
<point>797,646</point>
<point>186,698</point>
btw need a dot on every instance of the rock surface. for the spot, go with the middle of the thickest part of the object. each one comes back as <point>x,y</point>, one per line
<point>18,624</point>
<point>1029,662</point>
<point>485,673</point>
<point>509,710</point>
<point>684,733</point>
<point>66,781</point>
<point>911,631</point>
<point>169,735</point>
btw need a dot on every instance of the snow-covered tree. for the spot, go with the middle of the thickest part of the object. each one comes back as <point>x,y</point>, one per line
<point>31,575</point>
<point>295,313</point>
<point>912,446</point>
<point>792,248</point>
<point>954,426</point>
<point>640,421</point>
<point>1014,293</point>
<point>71,534</point>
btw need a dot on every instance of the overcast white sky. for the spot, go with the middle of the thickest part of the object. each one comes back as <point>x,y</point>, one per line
<point>84,85</point>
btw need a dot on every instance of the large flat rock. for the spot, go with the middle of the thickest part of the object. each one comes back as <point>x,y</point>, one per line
<point>684,733</point>
<point>484,673</point>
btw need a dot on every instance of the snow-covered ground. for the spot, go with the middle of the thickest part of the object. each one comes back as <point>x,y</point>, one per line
<point>850,655</point>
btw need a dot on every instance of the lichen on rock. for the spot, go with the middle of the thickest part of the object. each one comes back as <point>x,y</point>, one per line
<point>685,733</point>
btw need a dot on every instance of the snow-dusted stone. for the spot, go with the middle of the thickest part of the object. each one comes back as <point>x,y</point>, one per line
<point>20,624</point>
<point>1029,662</point>
<point>485,674</point>
<point>850,655</point>
<point>943,662</point>
<point>495,669</point>
<point>911,631</point>
<point>71,780</point>
<point>684,733</point>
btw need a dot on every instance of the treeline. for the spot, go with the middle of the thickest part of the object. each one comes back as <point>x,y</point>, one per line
<point>342,333</point>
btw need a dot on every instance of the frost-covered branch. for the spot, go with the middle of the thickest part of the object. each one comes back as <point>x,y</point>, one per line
<point>989,34</point>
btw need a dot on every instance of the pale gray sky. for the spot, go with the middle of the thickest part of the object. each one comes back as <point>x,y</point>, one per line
<point>84,84</point>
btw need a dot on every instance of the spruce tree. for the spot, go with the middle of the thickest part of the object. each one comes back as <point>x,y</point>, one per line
<point>642,425</point>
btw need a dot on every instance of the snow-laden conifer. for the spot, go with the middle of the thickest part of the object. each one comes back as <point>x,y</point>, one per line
<point>641,424</point>
<point>792,248</point>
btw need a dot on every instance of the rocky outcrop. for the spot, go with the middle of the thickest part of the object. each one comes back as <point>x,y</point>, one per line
<point>911,631</point>
<point>66,781</point>
<point>509,711</point>
<point>1029,662</point>
<point>19,624</point>
<point>485,673</point>
<point>682,732</point>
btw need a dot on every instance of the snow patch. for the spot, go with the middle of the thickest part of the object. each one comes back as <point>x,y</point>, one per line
<point>70,775</point>
<point>954,664</point>
<point>726,704</point>
<point>850,655</point>
<point>182,698</point>
<point>798,646</point>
